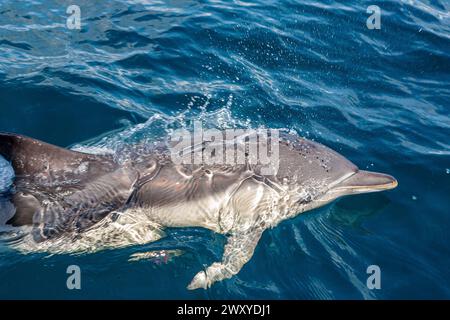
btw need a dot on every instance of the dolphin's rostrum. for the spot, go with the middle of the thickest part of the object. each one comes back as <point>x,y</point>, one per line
<point>61,193</point>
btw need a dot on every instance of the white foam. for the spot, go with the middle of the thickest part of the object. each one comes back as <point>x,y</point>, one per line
<point>6,175</point>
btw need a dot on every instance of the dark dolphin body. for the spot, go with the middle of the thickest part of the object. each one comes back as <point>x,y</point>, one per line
<point>59,192</point>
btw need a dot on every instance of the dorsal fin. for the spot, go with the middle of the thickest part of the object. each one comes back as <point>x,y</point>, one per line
<point>36,159</point>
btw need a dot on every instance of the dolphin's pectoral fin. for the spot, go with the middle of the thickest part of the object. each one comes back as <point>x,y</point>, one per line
<point>84,208</point>
<point>238,251</point>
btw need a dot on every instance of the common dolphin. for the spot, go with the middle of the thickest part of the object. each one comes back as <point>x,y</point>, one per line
<point>60,193</point>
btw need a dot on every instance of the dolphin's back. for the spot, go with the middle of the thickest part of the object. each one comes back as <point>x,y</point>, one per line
<point>303,160</point>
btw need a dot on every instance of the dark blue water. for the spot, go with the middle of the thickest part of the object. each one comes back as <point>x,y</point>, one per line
<point>138,69</point>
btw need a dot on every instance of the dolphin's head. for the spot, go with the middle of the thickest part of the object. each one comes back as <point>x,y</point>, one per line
<point>315,175</point>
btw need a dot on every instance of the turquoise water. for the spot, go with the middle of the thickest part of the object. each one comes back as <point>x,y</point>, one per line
<point>138,69</point>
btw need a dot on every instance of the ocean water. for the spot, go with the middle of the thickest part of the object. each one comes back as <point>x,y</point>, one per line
<point>138,69</point>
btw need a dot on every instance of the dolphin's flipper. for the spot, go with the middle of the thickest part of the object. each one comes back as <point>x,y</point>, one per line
<point>86,207</point>
<point>250,214</point>
<point>238,251</point>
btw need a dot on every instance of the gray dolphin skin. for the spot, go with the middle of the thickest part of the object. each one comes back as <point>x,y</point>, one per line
<point>59,194</point>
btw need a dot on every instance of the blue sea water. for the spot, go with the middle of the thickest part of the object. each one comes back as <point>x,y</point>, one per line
<point>139,68</point>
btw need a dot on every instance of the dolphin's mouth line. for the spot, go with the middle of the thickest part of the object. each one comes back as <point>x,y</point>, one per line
<point>340,180</point>
<point>364,181</point>
<point>379,187</point>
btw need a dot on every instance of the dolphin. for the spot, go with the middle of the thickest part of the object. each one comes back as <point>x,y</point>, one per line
<point>62,194</point>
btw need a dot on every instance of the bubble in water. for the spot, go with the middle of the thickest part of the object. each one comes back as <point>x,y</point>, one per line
<point>414,197</point>
<point>447,171</point>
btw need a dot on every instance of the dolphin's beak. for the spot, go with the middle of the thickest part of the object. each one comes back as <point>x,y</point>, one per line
<point>365,181</point>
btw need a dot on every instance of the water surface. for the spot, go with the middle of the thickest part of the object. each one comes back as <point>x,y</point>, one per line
<point>138,69</point>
